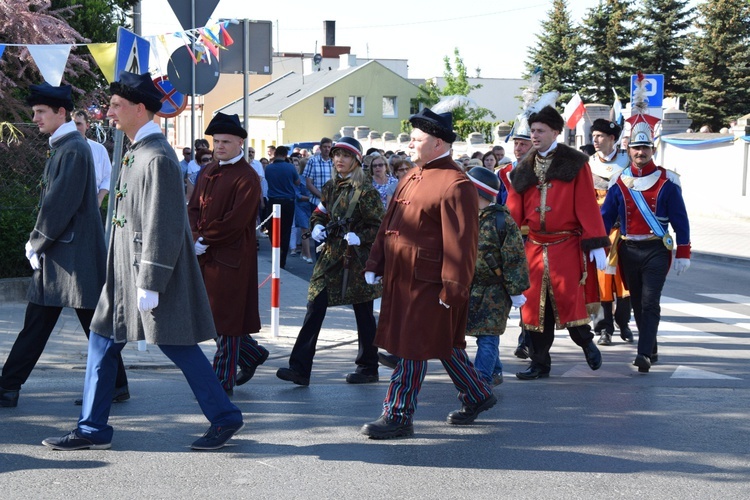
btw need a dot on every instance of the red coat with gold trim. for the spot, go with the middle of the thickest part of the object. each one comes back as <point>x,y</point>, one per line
<point>564,225</point>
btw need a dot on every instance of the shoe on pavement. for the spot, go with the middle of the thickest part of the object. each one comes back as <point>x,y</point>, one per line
<point>593,356</point>
<point>626,334</point>
<point>389,360</point>
<point>533,372</point>
<point>383,428</point>
<point>497,379</point>
<point>217,436</point>
<point>291,376</point>
<point>74,441</point>
<point>643,363</point>
<point>470,411</point>
<point>361,378</point>
<point>247,372</point>
<point>521,352</point>
<point>307,259</point>
<point>8,398</point>
<point>605,339</point>
<point>121,394</point>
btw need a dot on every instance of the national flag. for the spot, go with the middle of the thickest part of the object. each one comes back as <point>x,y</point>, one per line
<point>573,111</point>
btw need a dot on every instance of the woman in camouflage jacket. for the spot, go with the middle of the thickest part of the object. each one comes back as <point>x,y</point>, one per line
<point>346,222</point>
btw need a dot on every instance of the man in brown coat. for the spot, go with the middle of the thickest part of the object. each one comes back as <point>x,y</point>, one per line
<point>425,252</point>
<point>222,212</point>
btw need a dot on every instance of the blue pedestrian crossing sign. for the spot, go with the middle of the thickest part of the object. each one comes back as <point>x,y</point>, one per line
<point>132,53</point>
<point>654,89</point>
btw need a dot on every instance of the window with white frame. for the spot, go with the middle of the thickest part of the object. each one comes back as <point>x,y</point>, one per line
<point>356,105</point>
<point>329,105</point>
<point>390,108</point>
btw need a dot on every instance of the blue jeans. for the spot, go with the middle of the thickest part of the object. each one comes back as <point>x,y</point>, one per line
<point>487,361</point>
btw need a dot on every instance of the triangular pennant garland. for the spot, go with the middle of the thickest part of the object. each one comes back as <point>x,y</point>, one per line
<point>104,54</point>
<point>51,61</point>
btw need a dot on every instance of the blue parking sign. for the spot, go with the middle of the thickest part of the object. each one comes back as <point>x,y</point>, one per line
<point>132,53</point>
<point>654,89</point>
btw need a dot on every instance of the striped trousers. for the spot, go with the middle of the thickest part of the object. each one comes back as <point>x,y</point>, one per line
<point>401,398</point>
<point>233,351</point>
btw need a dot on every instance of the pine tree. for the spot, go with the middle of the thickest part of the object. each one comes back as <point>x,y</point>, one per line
<point>608,37</point>
<point>662,38</point>
<point>718,70</point>
<point>558,53</point>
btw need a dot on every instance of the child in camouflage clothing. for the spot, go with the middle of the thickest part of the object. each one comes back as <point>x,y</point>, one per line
<point>500,276</point>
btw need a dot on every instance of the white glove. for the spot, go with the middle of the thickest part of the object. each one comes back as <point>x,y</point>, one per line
<point>318,233</point>
<point>599,256</point>
<point>36,264</point>
<point>444,304</point>
<point>147,300</point>
<point>29,250</point>
<point>518,300</point>
<point>371,279</point>
<point>352,239</point>
<point>200,248</point>
<point>680,265</point>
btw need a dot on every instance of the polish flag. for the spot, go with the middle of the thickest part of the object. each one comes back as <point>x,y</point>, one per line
<point>573,111</point>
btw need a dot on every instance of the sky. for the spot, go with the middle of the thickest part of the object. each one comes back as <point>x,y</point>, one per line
<point>492,36</point>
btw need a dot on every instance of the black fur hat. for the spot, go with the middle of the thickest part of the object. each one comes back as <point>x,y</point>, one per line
<point>54,97</point>
<point>606,127</point>
<point>439,125</point>
<point>226,124</point>
<point>137,89</point>
<point>550,117</point>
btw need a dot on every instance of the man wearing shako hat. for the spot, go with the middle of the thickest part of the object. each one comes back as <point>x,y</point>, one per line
<point>606,164</point>
<point>553,194</point>
<point>65,248</point>
<point>351,209</point>
<point>425,252</point>
<point>645,198</point>
<point>222,212</point>
<point>154,289</point>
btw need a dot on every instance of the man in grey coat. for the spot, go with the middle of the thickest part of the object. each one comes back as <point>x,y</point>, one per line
<point>153,290</point>
<point>66,246</point>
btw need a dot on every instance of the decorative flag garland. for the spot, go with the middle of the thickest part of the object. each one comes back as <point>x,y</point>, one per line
<point>51,60</point>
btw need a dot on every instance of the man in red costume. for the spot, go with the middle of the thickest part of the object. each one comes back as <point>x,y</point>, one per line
<point>553,194</point>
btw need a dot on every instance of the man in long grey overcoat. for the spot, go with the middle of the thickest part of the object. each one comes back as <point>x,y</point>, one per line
<point>66,246</point>
<point>153,290</point>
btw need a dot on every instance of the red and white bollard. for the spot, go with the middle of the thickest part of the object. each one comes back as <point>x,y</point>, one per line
<point>275,268</point>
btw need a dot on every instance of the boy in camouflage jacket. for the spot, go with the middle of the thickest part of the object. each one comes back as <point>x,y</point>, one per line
<point>500,276</point>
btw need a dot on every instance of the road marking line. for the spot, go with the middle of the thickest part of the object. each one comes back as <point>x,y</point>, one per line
<point>697,373</point>
<point>705,311</point>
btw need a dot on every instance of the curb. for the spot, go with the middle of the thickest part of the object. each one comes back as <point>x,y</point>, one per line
<point>720,258</point>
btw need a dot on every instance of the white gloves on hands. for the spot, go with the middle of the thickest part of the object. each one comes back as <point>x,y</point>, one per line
<point>318,233</point>
<point>599,256</point>
<point>352,239</point>
<point>371,279</point>
<point>444,304</point>
<point>200,248</point>
<point>518,300</point>
<point>147,300</point>
<point>34,259</point>
<point>681,265</point>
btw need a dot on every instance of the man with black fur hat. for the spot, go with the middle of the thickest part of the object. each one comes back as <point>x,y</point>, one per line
<point>553,194</point>
<point>66,246</point>
<point>222,213</point>
<point>607,163</point>
<point>425,252</point>
<point>154,289</point>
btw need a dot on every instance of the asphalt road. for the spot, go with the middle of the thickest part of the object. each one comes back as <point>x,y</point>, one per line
<point>680,431</point>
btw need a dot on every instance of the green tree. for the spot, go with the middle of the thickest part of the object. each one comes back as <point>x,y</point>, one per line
<point>608,36</point>
<point>717,75</point>
<point>558,53</point>
<point>662,26</point>
<point>466,118</point>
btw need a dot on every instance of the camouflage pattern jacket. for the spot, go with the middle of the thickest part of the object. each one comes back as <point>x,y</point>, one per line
<point>329,268</point>
<point>489,299</point>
